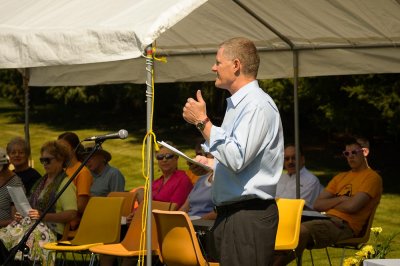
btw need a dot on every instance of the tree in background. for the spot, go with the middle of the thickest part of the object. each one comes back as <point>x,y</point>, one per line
<point>360,104</point>
<point>328,105</point>
<point>11,86</point>
<point>383,93</point>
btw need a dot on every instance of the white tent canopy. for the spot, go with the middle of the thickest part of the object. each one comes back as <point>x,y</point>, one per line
<point>73,42</point>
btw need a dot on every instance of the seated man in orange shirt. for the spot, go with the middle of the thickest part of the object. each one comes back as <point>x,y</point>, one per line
<point>348,200</point>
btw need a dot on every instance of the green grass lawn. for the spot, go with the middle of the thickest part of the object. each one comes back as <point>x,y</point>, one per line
<point>127,156</point>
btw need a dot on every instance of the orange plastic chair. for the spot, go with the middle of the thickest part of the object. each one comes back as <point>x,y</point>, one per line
<point>129,202</point>
<point>101,223</point>
<point>130,245</point>
<point>179,245</point>
<point>135,191</point>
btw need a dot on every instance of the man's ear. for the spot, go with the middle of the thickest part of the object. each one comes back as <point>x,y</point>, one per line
<point>365,152</point>
<point>236,64</point>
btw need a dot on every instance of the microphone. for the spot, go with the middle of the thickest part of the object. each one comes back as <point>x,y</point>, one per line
<point>121,134</point>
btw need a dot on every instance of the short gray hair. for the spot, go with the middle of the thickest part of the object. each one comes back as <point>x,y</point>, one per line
<point>18,141</point>
<point>245,51</point>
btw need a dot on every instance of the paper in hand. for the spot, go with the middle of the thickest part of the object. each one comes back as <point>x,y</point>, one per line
<point>179,153</point>
<point>21,203</point>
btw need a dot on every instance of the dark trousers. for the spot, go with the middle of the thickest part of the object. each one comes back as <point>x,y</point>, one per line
<point>244,233</point>
<point>3,253</point>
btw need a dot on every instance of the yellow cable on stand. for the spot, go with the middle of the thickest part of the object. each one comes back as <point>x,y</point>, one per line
<point>145,162</point>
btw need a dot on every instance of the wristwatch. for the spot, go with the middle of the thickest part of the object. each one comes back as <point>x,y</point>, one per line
<point>202,124</point>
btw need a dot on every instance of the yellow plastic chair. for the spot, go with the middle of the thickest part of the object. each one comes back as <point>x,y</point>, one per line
<point>130,245</point>
<point>127,208</point>
<point>179,245</point>
<point>287,235</point>
<point>352,243</point>
<point>100,223</point>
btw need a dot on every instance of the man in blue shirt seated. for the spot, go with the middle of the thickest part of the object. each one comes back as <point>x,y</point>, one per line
<point>105,177</point>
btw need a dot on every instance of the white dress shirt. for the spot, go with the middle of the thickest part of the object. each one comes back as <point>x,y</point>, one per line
<point>309,187</point>
<point>248,147</point>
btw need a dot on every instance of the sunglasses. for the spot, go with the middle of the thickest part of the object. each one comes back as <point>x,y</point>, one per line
<point>167,156</point>
<point>45,160</point>
<point>353,152</point>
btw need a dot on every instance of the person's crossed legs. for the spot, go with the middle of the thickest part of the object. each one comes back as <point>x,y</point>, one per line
<point>319,233</point>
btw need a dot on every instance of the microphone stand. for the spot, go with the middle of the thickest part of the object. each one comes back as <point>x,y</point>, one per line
<point>21,246</point>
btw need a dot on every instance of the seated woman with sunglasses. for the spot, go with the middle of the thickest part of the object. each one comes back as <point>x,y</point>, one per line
<point>174,185</point>
<point>54,156</point>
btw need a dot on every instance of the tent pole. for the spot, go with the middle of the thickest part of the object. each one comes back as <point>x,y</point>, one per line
<point>149,155</point>
<point>296,119</point>
<point>25,86</point>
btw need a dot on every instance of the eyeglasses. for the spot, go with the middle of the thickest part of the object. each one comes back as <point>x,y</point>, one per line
<point>167,156</point>
<point>46,160</point>
<point>353,152</point>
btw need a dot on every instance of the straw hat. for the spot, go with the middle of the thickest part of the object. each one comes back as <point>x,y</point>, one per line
<point>90,146</point>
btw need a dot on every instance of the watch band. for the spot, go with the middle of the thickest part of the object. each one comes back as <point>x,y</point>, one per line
<point>202,124</point>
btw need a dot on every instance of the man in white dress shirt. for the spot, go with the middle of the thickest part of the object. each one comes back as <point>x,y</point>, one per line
<point>309,183</point>
<point>248,158</point>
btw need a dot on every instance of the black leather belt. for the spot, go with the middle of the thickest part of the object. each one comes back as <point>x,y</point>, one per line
<point>340,223</point>
<point>251,204</point>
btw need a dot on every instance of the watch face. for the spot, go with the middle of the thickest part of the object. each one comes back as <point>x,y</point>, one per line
<point>200,126</point>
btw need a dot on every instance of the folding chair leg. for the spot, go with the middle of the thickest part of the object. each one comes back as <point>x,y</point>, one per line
<point>298,259</point>
<point>329,258</point>
<point>341,260</point>
<point>57,261</point>
<point>312,259</point>
<point>93,259</point>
